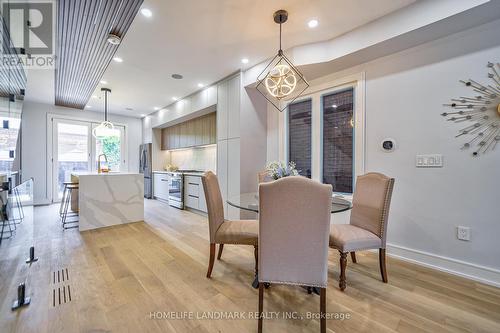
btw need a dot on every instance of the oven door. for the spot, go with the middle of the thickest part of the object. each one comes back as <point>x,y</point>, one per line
<point>175,191</point>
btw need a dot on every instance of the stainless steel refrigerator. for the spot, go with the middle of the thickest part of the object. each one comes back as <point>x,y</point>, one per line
<point>145,167</point>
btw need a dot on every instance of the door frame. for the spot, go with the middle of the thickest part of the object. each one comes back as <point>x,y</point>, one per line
<point>49,171</point>
<point>55,149</point>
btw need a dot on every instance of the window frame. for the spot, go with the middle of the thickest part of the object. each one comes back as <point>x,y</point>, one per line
<point>324,86</point>
<point>332,91</point>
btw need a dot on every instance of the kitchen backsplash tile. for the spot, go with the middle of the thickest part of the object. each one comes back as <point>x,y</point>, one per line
<point>203,158</point>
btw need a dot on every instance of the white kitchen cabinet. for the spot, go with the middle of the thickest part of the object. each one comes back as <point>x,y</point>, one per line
<point>194,197</point>
<point>233,175</point>
<point>160,185</point>
<point>233,108</point>
<point>222,100</point>
<point>199,100</point>
<point>222,171</point>
<point>211,95</point>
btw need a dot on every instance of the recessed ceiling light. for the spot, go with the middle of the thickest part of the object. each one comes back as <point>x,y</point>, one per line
<point>89,106</point>
<point>143,115</point>
<point>156,108</point>
<point>334,106</point>
<point>118,59</point>
<point>244,60</point>
<point>312,23</point>
<point>174,98</point>
<point>94,96</point>
<point>146,12</point>
<point>177,76</point>
<point>200,85</point>
<point>104,82</point>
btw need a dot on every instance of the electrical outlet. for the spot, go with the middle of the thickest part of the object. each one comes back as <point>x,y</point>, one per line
<point>463,233</point>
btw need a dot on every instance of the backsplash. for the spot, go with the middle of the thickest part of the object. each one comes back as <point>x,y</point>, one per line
<point>203,158</point>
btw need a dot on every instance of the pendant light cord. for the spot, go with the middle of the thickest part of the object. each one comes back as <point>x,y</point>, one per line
<point>105,106</point>
<point>280,34</point>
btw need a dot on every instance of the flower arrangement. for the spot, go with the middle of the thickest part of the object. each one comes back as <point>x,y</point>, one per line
<point>278,170</point>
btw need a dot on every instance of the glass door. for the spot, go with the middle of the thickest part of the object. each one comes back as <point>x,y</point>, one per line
<point>71,152</point>
<point>114,149</point>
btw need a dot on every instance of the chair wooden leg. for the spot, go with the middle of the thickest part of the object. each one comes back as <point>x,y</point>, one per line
<point>256,255</point>
<point>322,310</point>
<point>261,306</point>
<point>221,247</point>
<point>343,265</point>
<point>211,260</point>
<point>353,257</point>
<point>383,270</point>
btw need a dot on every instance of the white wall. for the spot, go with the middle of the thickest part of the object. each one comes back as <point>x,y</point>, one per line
<point>34,142</point>
<point>404,96</point>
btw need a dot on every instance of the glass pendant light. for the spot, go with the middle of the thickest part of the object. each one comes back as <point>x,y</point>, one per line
<point>105,129</point>
<point>281,80</point>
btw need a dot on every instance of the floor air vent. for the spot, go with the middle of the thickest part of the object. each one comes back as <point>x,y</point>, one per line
<point>61,293</point>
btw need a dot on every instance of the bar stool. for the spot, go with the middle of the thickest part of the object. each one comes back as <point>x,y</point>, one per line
<point>69,187</point>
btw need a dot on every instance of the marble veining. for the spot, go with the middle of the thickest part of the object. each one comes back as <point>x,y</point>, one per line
<point>110,199</point>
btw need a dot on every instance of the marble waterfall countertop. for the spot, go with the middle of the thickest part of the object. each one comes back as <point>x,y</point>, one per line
<point>107,199</point>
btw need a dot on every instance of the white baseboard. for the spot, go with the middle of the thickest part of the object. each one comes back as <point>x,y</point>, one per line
<point>464,269</point>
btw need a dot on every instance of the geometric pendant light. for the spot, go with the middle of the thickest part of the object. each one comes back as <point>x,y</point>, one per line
<point>281,80</point>
<point>106,128</point>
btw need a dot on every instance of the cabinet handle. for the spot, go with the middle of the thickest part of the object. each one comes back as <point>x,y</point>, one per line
<point>193,196</point>
<point>164,180</point>
<point>193,184</point>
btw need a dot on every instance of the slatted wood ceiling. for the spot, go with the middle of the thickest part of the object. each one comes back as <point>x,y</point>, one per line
<point>12,78</point>
<point>82,50</point>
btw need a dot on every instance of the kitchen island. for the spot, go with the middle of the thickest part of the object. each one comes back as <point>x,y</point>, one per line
<point>108,199</point>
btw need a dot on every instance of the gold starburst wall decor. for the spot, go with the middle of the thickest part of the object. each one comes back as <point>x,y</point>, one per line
<point>480,114</point>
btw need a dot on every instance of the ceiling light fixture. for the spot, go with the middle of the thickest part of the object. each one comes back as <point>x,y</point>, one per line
<point>94,96</point>
<point>174,98</point>
<point>114,39</point>
<point>200,85</point>
<point>244,61</point>
<point>281,80</point>
<point>106,128</point>
<point>143,115</point>
<point>146,12</point>
<point>156,108</point>
<point>312,24</point>
<point>118,59</point>
<point>104,82</point>
<point>177,76</point>
<point>89,106</point>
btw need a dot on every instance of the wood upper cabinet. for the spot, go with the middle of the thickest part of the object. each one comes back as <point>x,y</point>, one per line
<point>196,132</point>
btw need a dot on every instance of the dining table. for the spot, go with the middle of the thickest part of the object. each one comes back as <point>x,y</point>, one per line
<point>250,202</point>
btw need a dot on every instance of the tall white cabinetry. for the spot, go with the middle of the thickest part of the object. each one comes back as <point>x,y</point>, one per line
<point>228,141</point>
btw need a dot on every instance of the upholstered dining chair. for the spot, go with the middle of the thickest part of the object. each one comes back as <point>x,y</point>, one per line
<point>294,222</point>
<point>221,231</point>
<point>368,225</point>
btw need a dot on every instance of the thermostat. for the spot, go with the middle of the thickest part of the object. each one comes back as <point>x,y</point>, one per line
<point>388,145</point>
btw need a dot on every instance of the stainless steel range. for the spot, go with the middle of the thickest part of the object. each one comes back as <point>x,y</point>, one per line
<point>176,188</point>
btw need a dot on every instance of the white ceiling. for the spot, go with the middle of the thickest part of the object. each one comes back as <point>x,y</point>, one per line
<point>205,41</point>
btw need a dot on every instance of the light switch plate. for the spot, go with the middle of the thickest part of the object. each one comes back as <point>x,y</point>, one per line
<point>429,161</point>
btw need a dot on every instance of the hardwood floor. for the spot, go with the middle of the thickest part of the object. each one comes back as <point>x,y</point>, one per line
<point>121,277</point>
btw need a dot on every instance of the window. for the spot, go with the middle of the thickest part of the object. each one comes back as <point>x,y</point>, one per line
<point>8,139</point>
<point>338,140</point>
<point>299,136</point>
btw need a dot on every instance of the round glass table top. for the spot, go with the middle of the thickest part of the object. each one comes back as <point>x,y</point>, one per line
<point>250,202</point>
